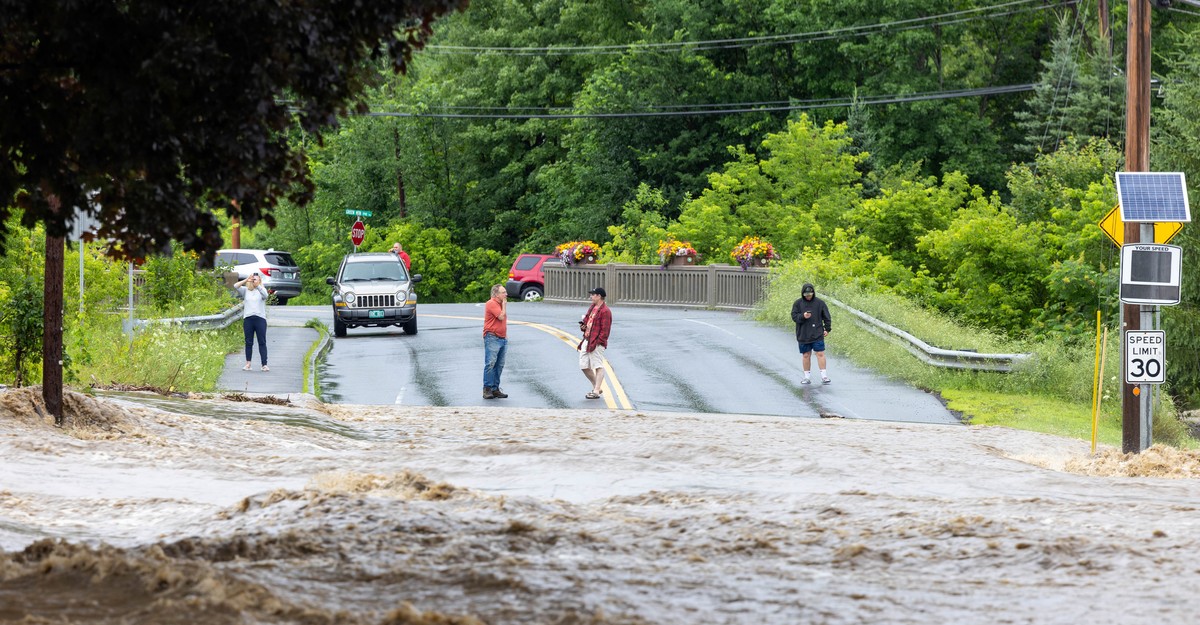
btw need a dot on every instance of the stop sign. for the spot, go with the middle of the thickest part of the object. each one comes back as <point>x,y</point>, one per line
<point>357,232</point>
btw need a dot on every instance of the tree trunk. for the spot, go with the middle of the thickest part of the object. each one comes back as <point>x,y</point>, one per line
<point>52,333</point>
<point>399,172</point>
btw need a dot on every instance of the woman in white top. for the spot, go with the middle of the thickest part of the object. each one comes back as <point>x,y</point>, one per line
<point>254,317</point>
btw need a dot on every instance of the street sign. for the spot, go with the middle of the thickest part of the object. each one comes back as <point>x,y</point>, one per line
<point>357,233</point>
<point>1145,356</point>
<point>1115,228</point>
<point>1150,273</point>
<point>354,212</point>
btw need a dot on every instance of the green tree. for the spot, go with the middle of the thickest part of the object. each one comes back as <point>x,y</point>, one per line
<point>1078,94</point>
<point>989,266</point>
<point>794,197</point>
<point>1175,148</point>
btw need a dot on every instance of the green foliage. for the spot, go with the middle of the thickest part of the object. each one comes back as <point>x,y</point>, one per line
<point>642,225</point>
<point>161,113</point>
<point>482,270</point>
<point>159,356</point>
<point>1175,149</point>
<point>795,198</point>
<point>1079,94</point>
<point>894,221</point>
<point>21,292</point>
<point>989,266</point>
<point>174,285</point>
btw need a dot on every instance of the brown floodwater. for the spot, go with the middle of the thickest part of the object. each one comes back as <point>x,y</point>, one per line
<point>156,510</point>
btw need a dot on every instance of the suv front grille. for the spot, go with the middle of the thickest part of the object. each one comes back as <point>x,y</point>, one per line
<point>375,301</point>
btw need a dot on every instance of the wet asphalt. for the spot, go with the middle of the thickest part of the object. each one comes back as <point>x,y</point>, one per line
<point>672,360</point>
<point>288,341</point>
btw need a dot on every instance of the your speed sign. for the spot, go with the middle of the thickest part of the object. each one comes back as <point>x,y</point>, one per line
<point>1145,356</point>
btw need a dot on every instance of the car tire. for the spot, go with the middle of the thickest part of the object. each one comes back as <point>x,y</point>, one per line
<point>531,293</point>
<point>339,327</point>
<point>411,326</point>
<point>281,301</point>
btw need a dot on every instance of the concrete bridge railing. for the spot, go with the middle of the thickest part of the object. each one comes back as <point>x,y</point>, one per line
<point>706,286</point>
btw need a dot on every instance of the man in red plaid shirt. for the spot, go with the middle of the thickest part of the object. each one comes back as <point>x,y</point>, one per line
<point>595,326</point>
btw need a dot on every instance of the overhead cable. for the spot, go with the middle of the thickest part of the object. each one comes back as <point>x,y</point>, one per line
<point>732,108</point>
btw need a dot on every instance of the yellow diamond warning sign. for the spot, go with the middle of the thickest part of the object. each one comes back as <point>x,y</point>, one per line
<point>1115,228</point>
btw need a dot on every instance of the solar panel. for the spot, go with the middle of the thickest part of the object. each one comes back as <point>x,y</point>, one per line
<point>1153,196</point>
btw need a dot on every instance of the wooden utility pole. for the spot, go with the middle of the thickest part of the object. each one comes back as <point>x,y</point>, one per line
<point>1104,34</point>
<point>1137,158</point>
<point>52,329</point>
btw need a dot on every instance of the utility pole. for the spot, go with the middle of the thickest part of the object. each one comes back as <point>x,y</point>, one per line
<point>1134,397</point>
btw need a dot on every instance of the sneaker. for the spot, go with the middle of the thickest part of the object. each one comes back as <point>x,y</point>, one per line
<point>266,368</point>
<point>825,380</point>
<point>487,393</point>
<point>247,367</point>
<point>499,394</point>
<point>806,381</point>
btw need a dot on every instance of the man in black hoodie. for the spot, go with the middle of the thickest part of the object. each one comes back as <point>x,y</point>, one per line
<point>812,326</point>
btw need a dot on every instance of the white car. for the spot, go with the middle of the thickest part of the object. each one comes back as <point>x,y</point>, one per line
<point>280,274</point>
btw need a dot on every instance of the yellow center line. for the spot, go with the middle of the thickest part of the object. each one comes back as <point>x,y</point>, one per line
<point>610,376</point>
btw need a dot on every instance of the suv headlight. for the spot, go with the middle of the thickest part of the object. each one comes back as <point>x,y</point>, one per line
<point>348,297</point>
<point>401,295</point>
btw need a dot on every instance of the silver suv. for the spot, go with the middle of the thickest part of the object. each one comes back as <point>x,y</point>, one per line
<point>280,274</point>
<point>373,290</point>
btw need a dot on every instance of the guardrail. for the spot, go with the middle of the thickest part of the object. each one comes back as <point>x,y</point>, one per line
<point>936,356</point>
<point>726,287</point>
<point>205,322</point>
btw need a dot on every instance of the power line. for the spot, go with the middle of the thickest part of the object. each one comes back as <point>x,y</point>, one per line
<point>744,42</point>
<point>732,108</point>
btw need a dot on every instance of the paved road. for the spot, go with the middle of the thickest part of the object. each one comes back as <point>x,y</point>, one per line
<point>665,359</point>
<point>287,343</point>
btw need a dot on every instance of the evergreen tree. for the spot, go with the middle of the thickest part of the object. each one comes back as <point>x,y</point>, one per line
<point>1077,94</point>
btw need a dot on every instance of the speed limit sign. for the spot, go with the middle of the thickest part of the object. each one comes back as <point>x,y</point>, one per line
<point>1145,353</point>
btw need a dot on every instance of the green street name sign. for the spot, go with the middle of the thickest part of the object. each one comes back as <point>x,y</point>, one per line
<point>358,213</point>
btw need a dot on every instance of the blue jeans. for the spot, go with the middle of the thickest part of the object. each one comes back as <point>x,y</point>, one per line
<point>494,349</point>
<point>255,325</point>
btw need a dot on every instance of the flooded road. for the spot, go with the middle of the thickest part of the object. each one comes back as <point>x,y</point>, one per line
<point>160,510</point>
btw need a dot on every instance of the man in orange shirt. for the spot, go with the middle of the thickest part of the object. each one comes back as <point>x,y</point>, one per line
<point>495,342</point>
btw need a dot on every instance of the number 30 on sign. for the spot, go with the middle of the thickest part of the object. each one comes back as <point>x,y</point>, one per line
<point>1145,354</point>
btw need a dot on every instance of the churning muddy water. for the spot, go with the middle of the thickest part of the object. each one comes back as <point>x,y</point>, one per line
<point>153,510</point>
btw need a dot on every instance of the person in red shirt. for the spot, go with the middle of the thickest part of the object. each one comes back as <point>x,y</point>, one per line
<point>495,341</point>
<point>398,250</point>
<point>595,326</point>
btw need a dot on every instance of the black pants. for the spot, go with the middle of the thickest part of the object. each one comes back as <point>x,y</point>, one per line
<point>250,327</point>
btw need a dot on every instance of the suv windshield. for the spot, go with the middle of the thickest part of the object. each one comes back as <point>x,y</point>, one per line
<point>388,270</point>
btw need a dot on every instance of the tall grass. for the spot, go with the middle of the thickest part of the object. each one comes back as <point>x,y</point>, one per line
<point>1052,392</point>
<point>100,353</point>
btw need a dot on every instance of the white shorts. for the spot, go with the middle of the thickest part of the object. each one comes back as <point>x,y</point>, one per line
<point>593,359</point>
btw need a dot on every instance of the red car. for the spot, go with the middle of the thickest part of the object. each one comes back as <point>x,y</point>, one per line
<point>526,280</point>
